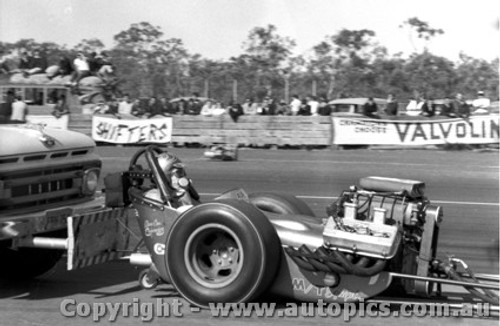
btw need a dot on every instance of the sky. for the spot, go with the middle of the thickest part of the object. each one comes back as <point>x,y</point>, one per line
<point>217,29</point>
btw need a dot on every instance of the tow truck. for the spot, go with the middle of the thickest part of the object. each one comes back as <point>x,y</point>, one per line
<point>49,204</point>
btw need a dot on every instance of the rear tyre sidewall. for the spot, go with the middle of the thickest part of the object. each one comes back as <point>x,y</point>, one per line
<point>283,204</point>
<point>260,252</point>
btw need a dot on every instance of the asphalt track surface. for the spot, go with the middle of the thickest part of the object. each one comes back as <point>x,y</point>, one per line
<point>465,183</point>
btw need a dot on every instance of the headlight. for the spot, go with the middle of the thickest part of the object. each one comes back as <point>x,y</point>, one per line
<point>90,181</point>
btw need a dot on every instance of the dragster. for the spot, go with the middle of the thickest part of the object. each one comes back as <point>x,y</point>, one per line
<point>380,236</point>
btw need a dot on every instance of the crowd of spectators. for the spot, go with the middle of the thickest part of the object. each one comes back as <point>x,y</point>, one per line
<point>308,106</point>
<point>100,64</point>
<point>34,61</point>
<point>447,107</point>
<point>195,105</point>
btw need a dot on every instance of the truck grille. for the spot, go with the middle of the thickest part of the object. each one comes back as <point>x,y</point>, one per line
<point>42,188</point>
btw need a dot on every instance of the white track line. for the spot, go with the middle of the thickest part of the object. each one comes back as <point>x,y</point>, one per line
<point>434,201</point>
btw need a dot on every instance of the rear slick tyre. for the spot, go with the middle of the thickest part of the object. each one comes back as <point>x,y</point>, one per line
<point>283,204</point>
<point>226,251</point>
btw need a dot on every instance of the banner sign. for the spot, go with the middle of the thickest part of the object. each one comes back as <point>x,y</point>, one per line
<point>359,131</point>
<point>49,121</point>
<point>131,130</point>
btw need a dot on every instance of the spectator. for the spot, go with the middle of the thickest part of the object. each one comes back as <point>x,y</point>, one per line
<point>6,107</point>
<point>247,106</point>
<point>38,63</point>
<point>206,109</point>
<point>106,68</point>
<point>94,63</point>
<point>65,67</point>
<point>235,111</point>
<point>295,105</point>
<point>370,108</point>
<point>171,108</point>
<point>271,106</point>
<point>165,106</point>
<point>218,109</point>
<point>138,109</point>
<point>412,108</point>
<point>459,107</point>
<point>154,107</point>
<point>420,104</point>
<point>182,107</point>
<point>262,109</point>
<point>428,108</point>
<point>19,110</point>
<point>113,107</point>
<point>4,68</point>
<point>101,108</point>
<point>324,108</point>
<point>391,108</point>
<point>311,100</point>
<point>82,69</point>
<point>61,108</point>
<point>304,108</point>
<point>446,109</point>
<point>282,108</point>
<point>481,103</point>
<point>125,106</point>
<point>191,107</point>
<point>24,63</point>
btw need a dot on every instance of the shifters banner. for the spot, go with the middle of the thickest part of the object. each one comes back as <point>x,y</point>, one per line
<point>360,131</point>
<point>132,130</point>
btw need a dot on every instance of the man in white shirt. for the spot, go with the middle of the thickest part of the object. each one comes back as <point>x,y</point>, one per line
<point>295,104</point>
<point>19,110</point>
<point>81,67</point>
<point>413,109</point>
<point>125,106</point>
<point>481,103</point>
<point>311,101</point>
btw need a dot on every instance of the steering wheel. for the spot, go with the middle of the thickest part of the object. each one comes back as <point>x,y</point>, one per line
<point>162,180</point>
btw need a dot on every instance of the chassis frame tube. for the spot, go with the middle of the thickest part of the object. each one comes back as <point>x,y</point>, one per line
<point>43,242</point>
<point>445,281</point>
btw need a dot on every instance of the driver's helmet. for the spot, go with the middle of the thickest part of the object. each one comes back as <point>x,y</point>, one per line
<point>169,162</point>
<point>174,171</point>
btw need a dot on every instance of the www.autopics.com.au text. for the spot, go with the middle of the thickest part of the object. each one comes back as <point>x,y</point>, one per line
<point>147,311</point>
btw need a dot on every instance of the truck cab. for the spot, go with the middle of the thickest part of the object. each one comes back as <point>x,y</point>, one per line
<point>49,202</point>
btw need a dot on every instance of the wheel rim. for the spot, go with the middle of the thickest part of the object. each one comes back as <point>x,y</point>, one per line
<point>147,282</point>
<point>213,255</point>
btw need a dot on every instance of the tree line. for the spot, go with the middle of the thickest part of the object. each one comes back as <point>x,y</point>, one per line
<point>349,63</point>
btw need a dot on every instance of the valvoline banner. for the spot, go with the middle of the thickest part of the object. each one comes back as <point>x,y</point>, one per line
<point>359,131</point>
<point>132,130</point>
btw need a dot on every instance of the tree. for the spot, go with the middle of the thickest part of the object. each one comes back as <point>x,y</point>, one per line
<point>474,75</point>
<point>160,66</point>
<point>351,50</point>
<point>422,30</point>
<point>268,53</point>
<point>430,75</point>
<point>89,45</point>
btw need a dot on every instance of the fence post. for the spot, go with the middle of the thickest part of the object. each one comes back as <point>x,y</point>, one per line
<point>235,91</point>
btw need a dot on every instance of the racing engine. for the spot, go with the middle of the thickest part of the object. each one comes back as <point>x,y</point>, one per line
<point>384,225</point>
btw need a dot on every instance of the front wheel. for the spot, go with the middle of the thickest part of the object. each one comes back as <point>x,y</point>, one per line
<point>147,281</point>
<point>226,251</point>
